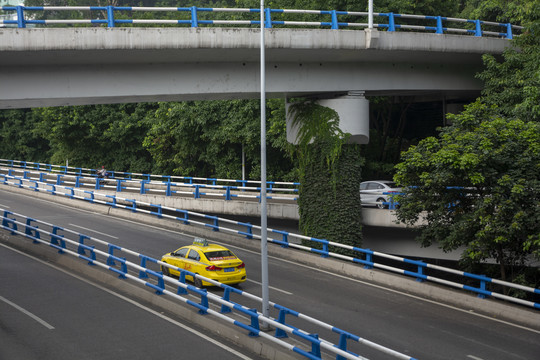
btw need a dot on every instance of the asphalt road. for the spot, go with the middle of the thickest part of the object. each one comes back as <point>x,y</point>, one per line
<point>422,329</point>
<point>46,313</point>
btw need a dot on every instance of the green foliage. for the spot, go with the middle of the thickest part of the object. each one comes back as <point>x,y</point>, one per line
<point>206,138</point>
<point>477,186</point>
<point>90,136</point>
<point>329,173</point>
<point>18,138</point>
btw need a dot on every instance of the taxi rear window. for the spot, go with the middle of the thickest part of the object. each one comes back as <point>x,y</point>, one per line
<point>219,255</point>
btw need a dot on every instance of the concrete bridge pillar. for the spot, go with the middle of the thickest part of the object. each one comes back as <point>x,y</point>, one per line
<point>353,111</point>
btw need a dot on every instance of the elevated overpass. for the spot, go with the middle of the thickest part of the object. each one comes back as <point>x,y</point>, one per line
<point>81,66</point>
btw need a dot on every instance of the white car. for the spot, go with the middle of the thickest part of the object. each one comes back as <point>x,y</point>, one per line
<point>378,193</point>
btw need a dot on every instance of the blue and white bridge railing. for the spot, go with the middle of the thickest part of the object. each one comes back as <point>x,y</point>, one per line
<point>167,185</point>
<point>145,270</point>
<point>480,285</point>
<point>112,16</point>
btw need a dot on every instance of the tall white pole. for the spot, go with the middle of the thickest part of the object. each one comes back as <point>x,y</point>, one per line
<point>264,245</point>
<point>370,14</point>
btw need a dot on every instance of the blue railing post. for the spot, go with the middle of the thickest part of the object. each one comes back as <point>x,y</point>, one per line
<point>391,22</point>
<point>110,16</point>
<point>478,29</point>
<point>315,346</point>
<point>226,296</point>
<point>6,221</point>
<point>31,231</point>
<point>142,273</point>
<point>334,20</point>
<point>267,18</point>
<point>20,17</point>
<point>58,240</point>
<point>280,333</point>
<point>509,31</point>
<point>342,345</point>
<point>168,191</point>
<point>194,21</point>
<point>439,25</point>
<point>80,249</point>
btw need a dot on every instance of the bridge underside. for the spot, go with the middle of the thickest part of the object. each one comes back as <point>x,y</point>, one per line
<point>80,66</point>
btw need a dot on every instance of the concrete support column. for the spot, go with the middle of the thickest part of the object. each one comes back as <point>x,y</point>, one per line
<point>353,112</point>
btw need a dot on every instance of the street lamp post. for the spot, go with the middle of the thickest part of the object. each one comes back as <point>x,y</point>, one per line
<point>264,244</point>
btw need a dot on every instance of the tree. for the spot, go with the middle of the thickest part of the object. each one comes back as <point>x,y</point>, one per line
<point>206,138</point>
<point>477,186</point>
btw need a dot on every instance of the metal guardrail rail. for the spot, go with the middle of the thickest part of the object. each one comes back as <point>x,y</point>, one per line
<point>107,255</point>
<point>197,16</point>
<point>480,285</point>
<point>165,184</point>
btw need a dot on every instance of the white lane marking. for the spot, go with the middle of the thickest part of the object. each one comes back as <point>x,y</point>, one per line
<point>141,306</point>
<point>271,287</point>
<point>92,230</point>
<point>474,357</point>
<point>28,313</point>
<point>4,206</point>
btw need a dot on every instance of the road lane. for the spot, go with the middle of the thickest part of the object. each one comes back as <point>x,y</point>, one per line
<point>47,314</point>
<point>405,323</point>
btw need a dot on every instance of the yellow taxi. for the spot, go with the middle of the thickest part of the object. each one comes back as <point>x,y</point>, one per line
<point>209,260</point>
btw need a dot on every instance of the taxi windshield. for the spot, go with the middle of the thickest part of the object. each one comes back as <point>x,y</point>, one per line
<point>219,255</point>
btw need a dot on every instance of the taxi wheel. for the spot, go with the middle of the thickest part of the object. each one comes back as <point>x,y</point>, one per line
<point>165,271</point>
<point>197,282</point>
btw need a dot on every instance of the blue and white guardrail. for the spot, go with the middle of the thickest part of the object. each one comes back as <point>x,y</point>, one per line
<point>422,271</point>
<point>108,256</point>
<point>148,183</point>
<point>191,16</point>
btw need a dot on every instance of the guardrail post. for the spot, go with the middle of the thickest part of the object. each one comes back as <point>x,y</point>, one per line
<point>23,164</point>
<point>315,346</point>
<point>4,179</point>
<point>509,31</point>
<point>25,175</point>
<point>280,333</point>
<point>78,181</point>
<point>391,22</point>
<point>159,212</point>
<point>369,259</point>
<point>98,183</point>
<point>10,172</point>
<point>226,296</point>
<point>53,189</point>
<point>182,279</point>
<point>57,241</point>
<point>334,20</point>
<point>267,18</point>
<point>133,206</point>
<point>59,179</point>
<point>214,227</point>
<point>342,345</point>
<point>325,249</point>
<point>80,249</point>
<point>194,21</point>
<point>143,190</point>
<point>6,221</point>
<point>90,258</point>
<point>110,260</point>
<point>185,219</point>
<point>142,273</point>
<point>21,23</point>
<point>41,177</point>
<point>204,300</point>
<point>254,323</point>
<point>478,28</point>
<point>10,163</point>
<point>31,231</point>
<point>168,190</point>
<point>110,16</point>
<point>439,25</point>
<point>91,198</point>
<point>483,288</point>
<point>197,193</point>
<point>113,203</point>
<point>228,193</point>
